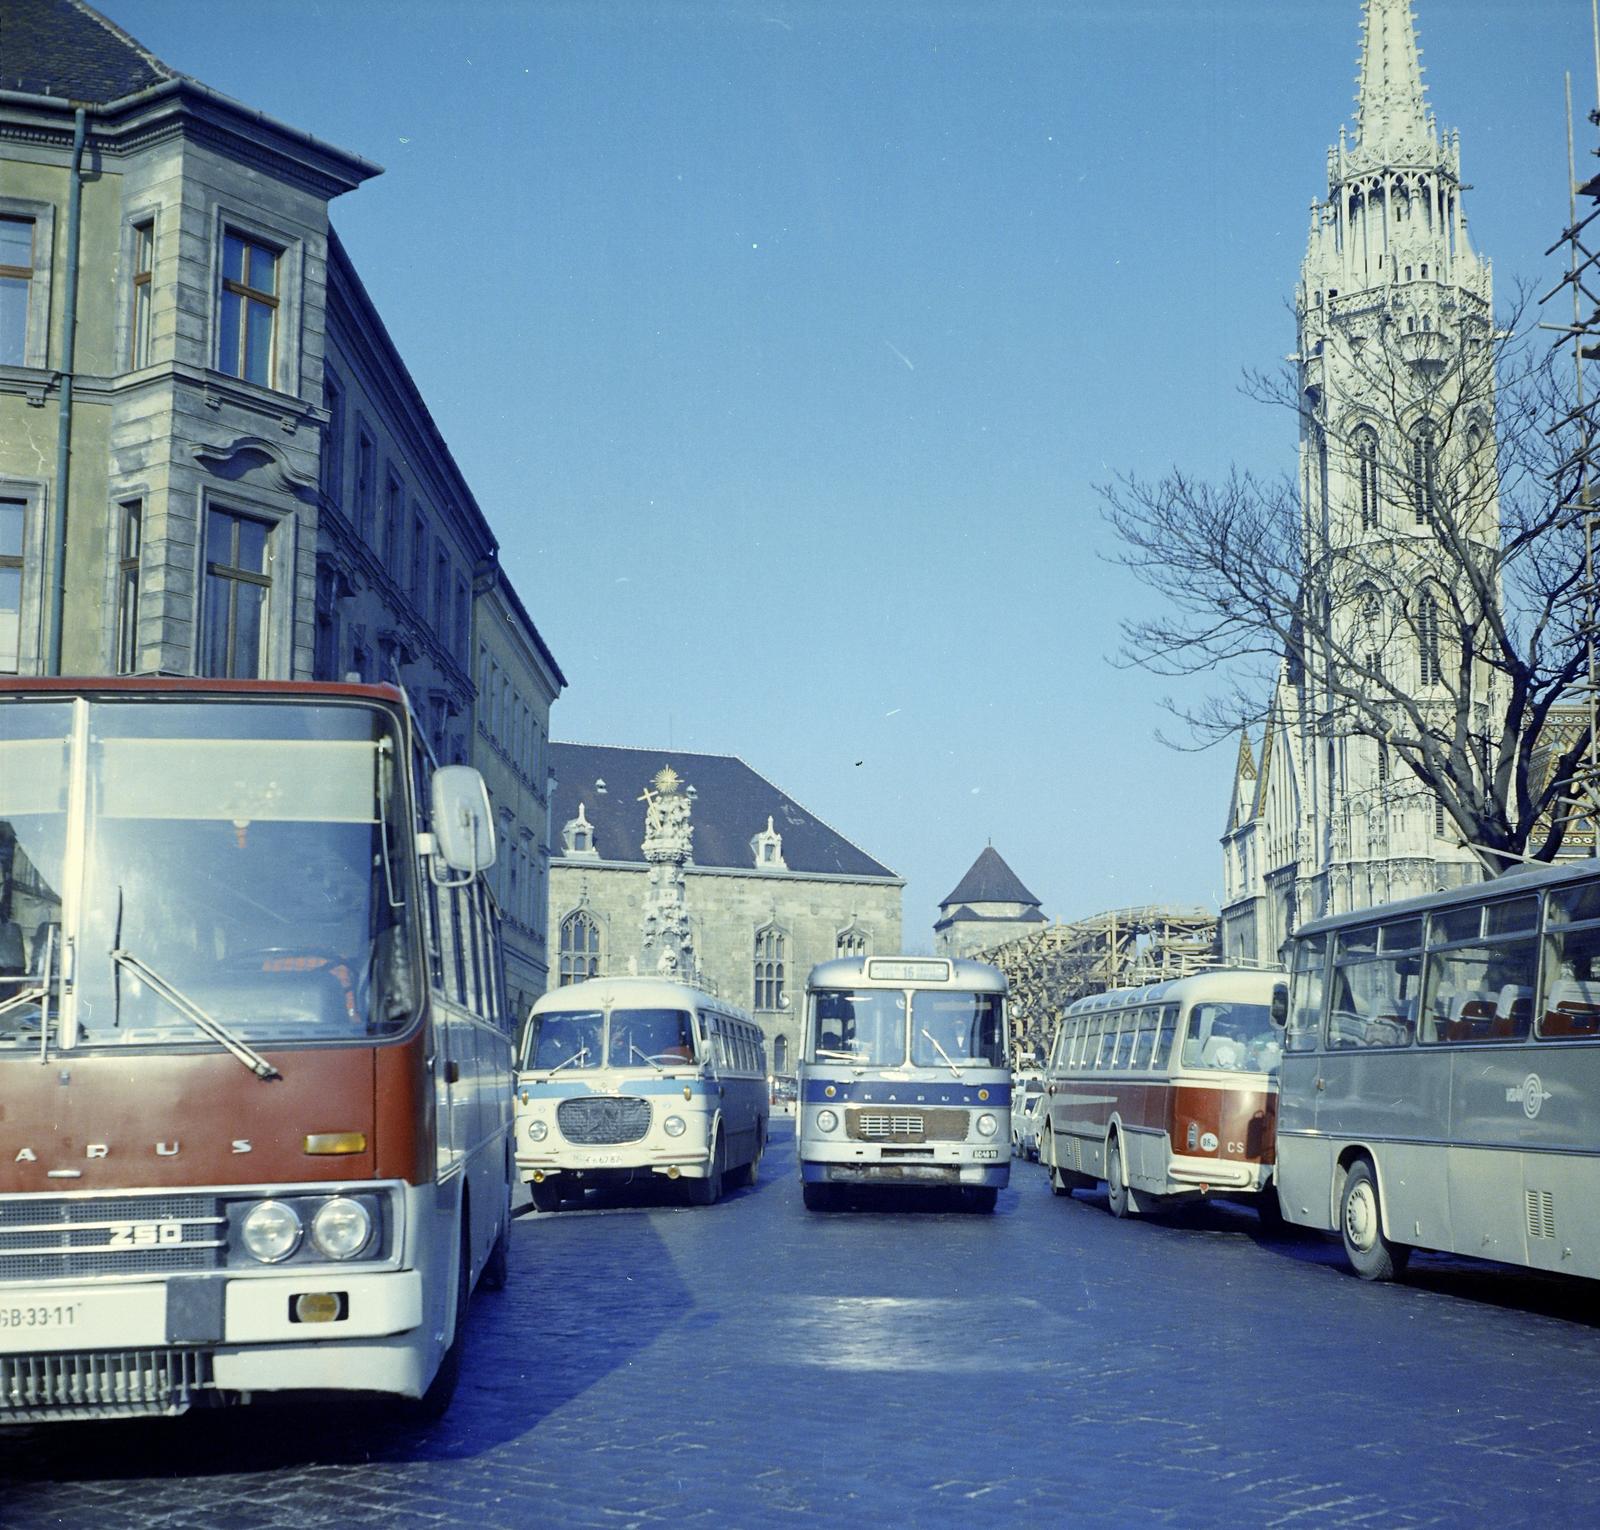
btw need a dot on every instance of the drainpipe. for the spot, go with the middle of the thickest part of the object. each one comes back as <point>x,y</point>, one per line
<point>69,331</point>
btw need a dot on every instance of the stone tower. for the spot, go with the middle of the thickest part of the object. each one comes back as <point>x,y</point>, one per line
<point>1394,365</point>
<point>667,945</point>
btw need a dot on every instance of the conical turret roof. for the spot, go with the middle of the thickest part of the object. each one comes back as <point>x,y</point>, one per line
<point>990,880</point>
<point>1392,123</point>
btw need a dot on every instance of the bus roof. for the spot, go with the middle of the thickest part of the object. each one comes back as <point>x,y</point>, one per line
<point>1523,879</point>
<point>191,685</point>
<point>956,972</point>
<point>606,992</point>
<point>1172,988</point>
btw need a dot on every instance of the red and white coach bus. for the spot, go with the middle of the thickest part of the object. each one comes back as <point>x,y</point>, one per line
<point>254,1056</point>
<point>1167,1092</point>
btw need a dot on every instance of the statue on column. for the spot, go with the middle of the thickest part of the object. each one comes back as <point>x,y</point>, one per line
<point>666,941</point>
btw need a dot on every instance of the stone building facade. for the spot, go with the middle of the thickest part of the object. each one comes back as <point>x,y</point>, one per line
<point>213,459</point>
<point>987,907</point>
<point>768,889</point>
<point>1395,325</point>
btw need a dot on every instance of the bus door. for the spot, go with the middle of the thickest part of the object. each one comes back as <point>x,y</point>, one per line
<point>1305,1159</point>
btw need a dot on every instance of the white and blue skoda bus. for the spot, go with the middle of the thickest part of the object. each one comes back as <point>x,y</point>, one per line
<point>905,1079</point>
<point>633,1078</point>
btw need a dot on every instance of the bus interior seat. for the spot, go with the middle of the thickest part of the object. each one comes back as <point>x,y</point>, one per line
<point>1513,1010</point>
<point>1471,1015</point>
<point>1221,1052</point>
<point>1572,1008</point>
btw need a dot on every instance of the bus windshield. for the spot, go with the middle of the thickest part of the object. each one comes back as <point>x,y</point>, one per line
<point>245,860</point>
<point>1232,1037</point>
<point>867,1028</point>
<point>571,1041</point>
<point>957,1029</point>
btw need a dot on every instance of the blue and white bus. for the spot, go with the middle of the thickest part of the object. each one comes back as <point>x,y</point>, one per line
<point>633,1078</point>
<point>905,1079</point>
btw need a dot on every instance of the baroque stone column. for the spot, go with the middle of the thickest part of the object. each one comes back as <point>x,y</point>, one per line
<point>666,943</point>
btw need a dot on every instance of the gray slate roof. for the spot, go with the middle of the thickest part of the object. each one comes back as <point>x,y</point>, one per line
<point>68,49</point>
<point>990,880</point>
<point>965,915</point>
<point>732,803</point>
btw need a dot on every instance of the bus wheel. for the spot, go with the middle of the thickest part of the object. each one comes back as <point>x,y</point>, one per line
<point>435,1402</point>
<point>1270,1209</point>
<point>707,1191</point>
<point>1047,1156</point>
<point>752,1170</point>
<point>546,1195</point>
<point>497,1267</point>
<point>1117,1195</point>
<point>818,1197</point>
<point>980,1197</point>
<point>1372,1256</point>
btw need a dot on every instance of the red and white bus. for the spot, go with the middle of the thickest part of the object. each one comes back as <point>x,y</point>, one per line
<point>254,1055</point>
<point>1167,1092</point>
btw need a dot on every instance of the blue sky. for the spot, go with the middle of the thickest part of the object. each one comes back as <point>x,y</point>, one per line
<point>784,344</point>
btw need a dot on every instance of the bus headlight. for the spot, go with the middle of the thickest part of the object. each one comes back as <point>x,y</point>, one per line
<point>827,1121</point>
<point>341,1227</point>
<point>538,1131</point>
<point>270,1231</point>
<point>673,1126</point>
<point>986,1124</point>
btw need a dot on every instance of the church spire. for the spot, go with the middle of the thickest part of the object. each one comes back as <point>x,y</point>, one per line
<point>1392,124</point>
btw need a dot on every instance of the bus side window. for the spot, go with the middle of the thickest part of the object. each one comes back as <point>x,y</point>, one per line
<point>1302,1032</point>
<point>1144,1043</point>
<point>1169,1029</point>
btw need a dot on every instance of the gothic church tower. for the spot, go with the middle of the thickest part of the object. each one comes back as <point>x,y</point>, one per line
<point>1394,363</point>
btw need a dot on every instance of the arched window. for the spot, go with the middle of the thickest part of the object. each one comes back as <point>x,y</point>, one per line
<point>1424,473</point>
<point>770,953</point>
<point>780,1054</point>
<point>851,942</point>
<point>1429,671</point>
<point>580,948</point>
<point>1366,445</point>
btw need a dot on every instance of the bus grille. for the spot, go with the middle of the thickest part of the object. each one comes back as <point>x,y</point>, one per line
<point>126,1382</point>
<point>906,1125</point>
<point>56,1237</point>
<point>601,1120</point>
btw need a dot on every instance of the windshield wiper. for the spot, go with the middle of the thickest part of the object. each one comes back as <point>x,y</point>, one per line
<point>196,1016</point>
<point>580,1054</point>
<point>941,1051</point>
<point>836,1054</point>
<point>633,1051</point>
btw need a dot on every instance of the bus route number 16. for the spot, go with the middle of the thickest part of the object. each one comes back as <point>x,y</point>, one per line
<point>144,1234</point>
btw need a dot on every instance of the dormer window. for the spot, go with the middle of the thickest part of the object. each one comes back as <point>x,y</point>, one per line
<point>767,849</point>
<point>577,836</point>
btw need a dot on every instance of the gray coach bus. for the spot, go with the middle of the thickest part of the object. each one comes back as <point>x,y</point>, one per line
<point>1440,1083</point>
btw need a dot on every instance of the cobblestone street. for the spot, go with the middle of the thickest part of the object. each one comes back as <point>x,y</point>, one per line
<point>753,1364</point>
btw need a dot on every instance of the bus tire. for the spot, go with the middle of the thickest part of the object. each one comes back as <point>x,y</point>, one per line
<point>435,1402</point>
<point>497,1267</point>
<point>1119,1199</point>
<point>546,1195</point>
<point>707,1191</point>
<point>980,1198</point>
<point>1371,1255</point>
<point>1047,1156</point>
<point>818,1196</point>
<point>1270,1209</point>
<point>752,1170</point>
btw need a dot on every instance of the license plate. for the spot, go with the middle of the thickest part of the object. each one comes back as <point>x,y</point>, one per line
<point>981,1153</point>
<point>80,1318</point>
<point>602,1160</point>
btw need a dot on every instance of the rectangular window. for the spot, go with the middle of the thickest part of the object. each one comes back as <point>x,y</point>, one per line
<point>463,615</point>
<point>1376,987</point>
<point>144,259</point>
<point>233,638</point>
<point>333,441</point>
<point>130,532</point>
<point>12,514</point>
<point>441,593</point>
<point>16,287</point>
<point>394,510</point>
<point>419,560</point>
<point>1305,989</point>
<point>366,484</point>
<point>247,320</point>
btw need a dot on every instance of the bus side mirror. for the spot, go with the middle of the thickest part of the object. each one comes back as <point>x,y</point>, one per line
<point>1280,1004</point>
<point>463,821</point>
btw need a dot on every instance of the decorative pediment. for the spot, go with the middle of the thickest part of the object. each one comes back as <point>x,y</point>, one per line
<point>250,457</point>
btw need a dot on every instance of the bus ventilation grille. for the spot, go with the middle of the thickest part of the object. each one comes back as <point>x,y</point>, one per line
<point>46,1237</point>
<point>600,1120</point>
<point>1541,1213</point>
<point>121,1383</point>
<point>906,1125</point>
